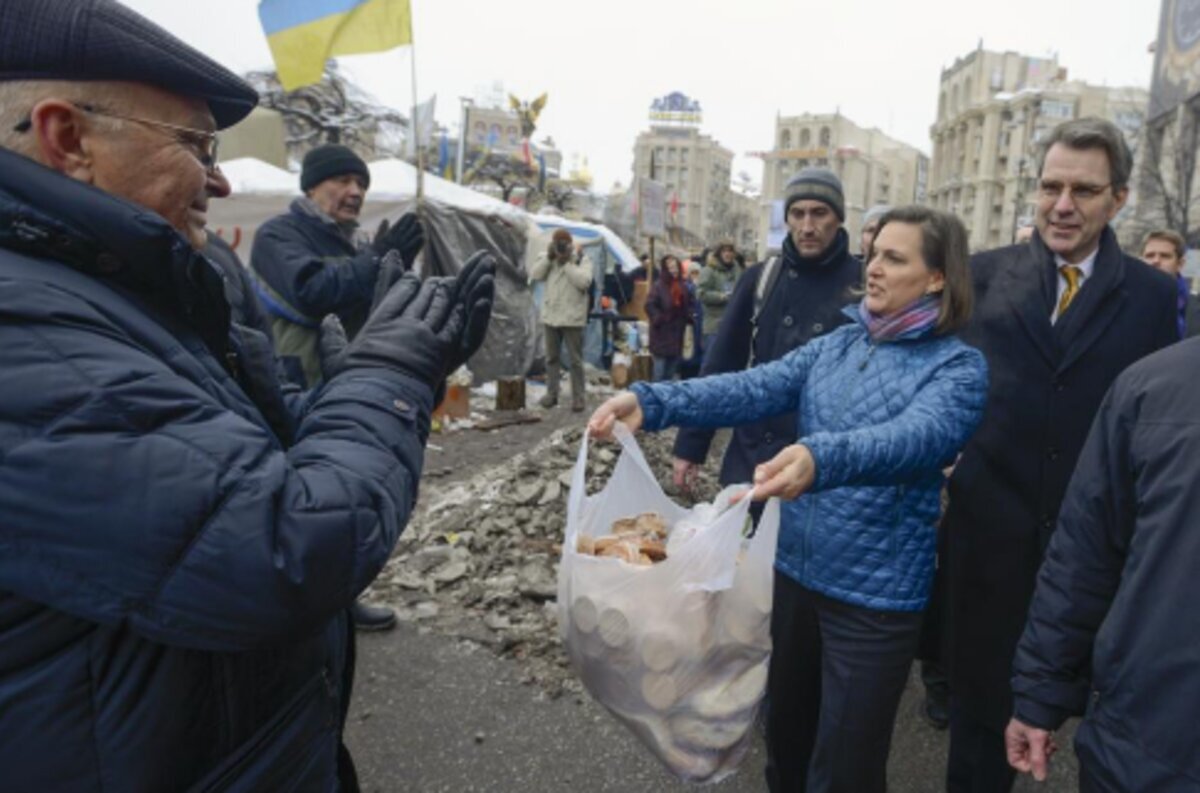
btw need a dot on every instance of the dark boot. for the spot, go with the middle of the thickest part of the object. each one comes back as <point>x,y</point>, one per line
<point>372,618</point>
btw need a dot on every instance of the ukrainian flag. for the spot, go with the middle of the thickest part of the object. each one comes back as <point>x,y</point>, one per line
<point>303,34</point>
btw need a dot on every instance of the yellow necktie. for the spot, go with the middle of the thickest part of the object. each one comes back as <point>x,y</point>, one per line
<point>1072,274</point>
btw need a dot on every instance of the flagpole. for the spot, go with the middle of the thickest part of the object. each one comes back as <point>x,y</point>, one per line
<point>416,124</point>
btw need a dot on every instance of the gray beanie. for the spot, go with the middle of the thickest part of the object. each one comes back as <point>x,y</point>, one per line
<point>876,212</point>
<point>817,184</point>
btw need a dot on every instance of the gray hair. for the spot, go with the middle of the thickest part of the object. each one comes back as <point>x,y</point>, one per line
<point>1094,133</point>
<point>19,97</point>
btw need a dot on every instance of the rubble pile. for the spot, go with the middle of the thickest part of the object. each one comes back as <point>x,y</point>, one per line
<point>479,559</point>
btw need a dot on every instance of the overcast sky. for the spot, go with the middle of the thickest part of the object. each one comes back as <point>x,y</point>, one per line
<point>745,61</point>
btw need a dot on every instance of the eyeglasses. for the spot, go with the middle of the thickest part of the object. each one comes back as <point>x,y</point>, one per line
<point>201,143</point>
<point>1051,191</point>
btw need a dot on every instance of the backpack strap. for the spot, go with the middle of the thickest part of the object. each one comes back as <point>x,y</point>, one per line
<point>762,290</point>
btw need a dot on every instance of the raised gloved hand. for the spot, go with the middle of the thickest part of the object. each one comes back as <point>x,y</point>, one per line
<point>475,290</point>
<point>414,330</point>
<point>407,236</point>
<point>331,345</point>
<point>391,267</point>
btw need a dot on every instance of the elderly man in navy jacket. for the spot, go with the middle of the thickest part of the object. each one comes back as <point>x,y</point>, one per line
<point>1058,319</point>
<point>175,566</point>
<point>1113,626</point>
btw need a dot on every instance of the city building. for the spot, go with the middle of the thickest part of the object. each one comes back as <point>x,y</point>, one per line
<point>874,168</point>
<point>695,171</point>
<point>993,110</point>
<point>499,130</point>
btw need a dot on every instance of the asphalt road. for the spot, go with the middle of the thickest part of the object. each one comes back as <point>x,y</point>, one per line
<point>435,714</point>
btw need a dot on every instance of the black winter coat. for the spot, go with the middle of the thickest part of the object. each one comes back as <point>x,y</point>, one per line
<point>806,302</point>
<point>306,269</point>
<point>1113,623</point>
<point>1047,382</point>
<point>173,576</point>
<point>668,321</point>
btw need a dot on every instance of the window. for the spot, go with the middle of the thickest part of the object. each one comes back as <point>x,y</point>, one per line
<point>785,140</point>
<point>1052,108</point>
<point>825,136</point>
<point>805,138</point>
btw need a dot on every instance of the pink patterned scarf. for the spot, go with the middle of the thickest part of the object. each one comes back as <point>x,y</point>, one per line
<point>911,321</point>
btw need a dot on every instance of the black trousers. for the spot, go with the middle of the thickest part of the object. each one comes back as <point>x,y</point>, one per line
<point>836,677</point>
<point>978,762</point>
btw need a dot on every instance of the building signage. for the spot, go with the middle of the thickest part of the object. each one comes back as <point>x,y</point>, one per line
<point>652,199</point>
<point>675,108</point>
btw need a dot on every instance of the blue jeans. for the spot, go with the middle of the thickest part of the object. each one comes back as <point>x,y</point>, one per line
<point>665,367</point>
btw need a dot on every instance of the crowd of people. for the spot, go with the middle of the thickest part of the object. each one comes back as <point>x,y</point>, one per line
<point>986,461</point>
<point>982,461</point>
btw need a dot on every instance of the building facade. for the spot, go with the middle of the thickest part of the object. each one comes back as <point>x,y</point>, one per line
<point>695,170</point>
<point>874,168</point>
<point>499,129</point>
<point>994,108</point>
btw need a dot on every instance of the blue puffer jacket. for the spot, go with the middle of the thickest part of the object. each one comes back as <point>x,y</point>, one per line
<point>172,577</point>
<point>881,421</point>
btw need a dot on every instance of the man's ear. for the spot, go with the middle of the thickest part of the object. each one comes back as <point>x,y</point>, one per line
<point>61,140</point>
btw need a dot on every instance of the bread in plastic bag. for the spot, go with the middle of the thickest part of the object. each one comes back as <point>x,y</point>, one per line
<point>677,651</point>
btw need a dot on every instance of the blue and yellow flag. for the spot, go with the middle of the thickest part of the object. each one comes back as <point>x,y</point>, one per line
<point>303,34</point>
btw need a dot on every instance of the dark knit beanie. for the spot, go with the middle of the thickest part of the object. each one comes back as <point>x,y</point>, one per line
<point>328,161</point>
<point>816,184</point>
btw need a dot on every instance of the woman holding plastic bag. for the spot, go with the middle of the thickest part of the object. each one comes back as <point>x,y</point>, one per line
<point>884,403</point>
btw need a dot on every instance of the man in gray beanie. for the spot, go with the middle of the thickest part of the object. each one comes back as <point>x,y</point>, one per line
<point>176,566</point>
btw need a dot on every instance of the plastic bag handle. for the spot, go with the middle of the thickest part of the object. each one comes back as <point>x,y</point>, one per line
<point>578,490</point>
<point>629,445</point>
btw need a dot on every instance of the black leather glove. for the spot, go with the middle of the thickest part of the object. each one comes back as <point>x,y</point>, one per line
<point>406,236</point>
<point>331,345</point>
<point>475,290</point>
<point>391,267</point>
<point>414,330</point>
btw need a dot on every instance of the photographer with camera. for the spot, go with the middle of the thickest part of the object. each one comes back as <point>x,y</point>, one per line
<point>564,312</point>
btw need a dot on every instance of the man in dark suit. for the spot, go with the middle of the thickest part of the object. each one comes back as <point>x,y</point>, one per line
<point>1058,319</point>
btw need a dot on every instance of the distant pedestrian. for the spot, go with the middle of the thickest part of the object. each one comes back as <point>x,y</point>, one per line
<point>568,278</point>
<point>1166,250</point>
<point>670,312</point>
<point>717,281</point>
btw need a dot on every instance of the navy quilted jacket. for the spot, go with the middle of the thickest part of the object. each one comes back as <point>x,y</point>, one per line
<point>881,420</point>
<point>172,576</point>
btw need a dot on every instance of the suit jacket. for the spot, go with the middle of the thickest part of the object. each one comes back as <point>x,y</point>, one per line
<point>1047,382</point>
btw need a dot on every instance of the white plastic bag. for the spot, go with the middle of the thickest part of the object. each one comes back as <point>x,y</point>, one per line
<point>678,651</point>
